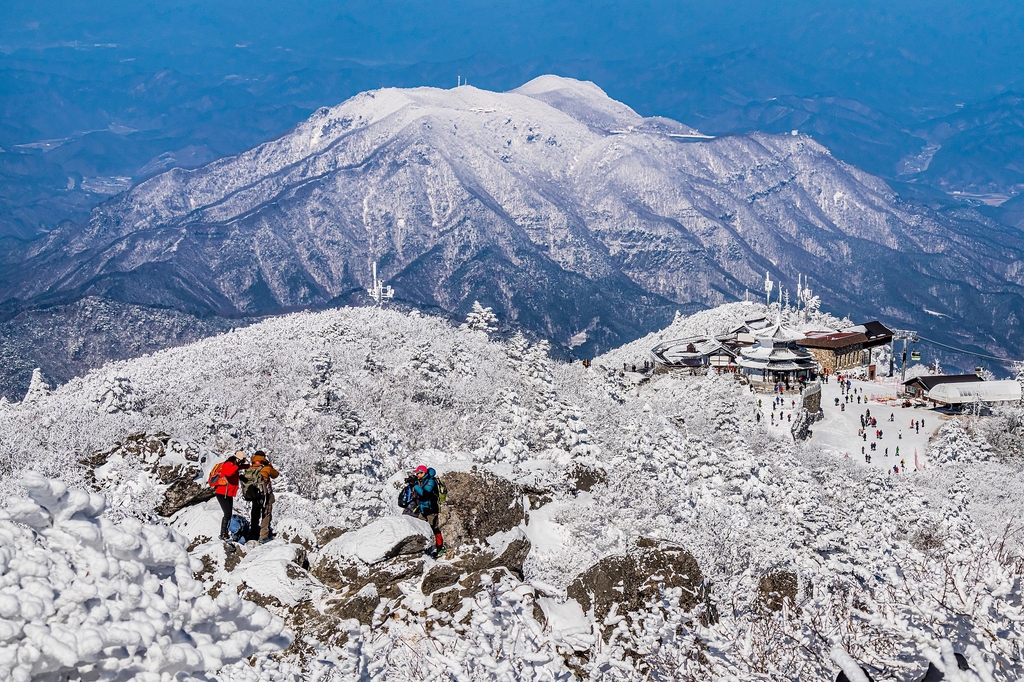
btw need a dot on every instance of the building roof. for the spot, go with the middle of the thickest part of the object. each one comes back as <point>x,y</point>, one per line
<point>833,340</point>
<point>877,334</point>
<point>778,333</point>
<point>689,352</point>
<point>986,391</point>
<point>928,382</point>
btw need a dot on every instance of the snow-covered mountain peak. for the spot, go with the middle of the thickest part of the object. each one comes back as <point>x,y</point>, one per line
<point>583,101</point>
<point>562,209</point>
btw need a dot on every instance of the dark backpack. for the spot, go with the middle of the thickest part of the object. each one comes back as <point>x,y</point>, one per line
<point>405,497</point>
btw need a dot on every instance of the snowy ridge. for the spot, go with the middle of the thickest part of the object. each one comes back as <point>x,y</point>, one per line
<point>801,552</point>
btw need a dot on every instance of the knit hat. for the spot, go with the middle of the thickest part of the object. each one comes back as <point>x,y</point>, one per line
<point>421,469</point>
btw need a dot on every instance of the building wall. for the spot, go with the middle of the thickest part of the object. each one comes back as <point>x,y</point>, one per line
<point>839,359</point>
<point>812,398</point>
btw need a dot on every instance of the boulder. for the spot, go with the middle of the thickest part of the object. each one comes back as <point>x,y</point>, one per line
<point>382,539</point>
<point>360,606</point>
<point>451,599</point>
<point>327,533</point>
<point>480,505</point>
<point>348,575</point>
<point>583,477</point>
<point>440,576</point>
<point>184,491</point>
<point>631,580</point>
<point>508,550</point>
<point>773,589</point>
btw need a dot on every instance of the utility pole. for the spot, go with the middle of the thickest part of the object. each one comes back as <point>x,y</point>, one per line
<point>903,335</point>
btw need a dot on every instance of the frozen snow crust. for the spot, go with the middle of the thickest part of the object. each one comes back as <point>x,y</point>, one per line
<point>809,561</point>
<point>84,598</point>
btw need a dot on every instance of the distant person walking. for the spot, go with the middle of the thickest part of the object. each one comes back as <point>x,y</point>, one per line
<point>260,480</point>
<point>224,480</point>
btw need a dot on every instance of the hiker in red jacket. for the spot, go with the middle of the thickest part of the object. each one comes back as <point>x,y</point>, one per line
<point>225,485</point>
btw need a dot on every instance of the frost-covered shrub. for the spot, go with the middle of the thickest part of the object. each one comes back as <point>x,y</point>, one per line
<point>1004,432</point>
<point>83,597</point>
<point>117,395</point>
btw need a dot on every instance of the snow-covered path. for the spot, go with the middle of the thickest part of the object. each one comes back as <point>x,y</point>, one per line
<point>838,430</point>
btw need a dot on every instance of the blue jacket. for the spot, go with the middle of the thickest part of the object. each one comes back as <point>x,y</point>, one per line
<point>426,493</point>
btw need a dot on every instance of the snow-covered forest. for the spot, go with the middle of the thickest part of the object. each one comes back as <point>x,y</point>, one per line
<point>740,553</point>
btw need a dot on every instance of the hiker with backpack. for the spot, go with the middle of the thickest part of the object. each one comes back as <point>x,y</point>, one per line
<point>258,489</point>
<point>223,479</point>
<point>428,492</point>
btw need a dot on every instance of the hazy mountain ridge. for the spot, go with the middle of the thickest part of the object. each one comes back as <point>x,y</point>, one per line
<point>564,210</point>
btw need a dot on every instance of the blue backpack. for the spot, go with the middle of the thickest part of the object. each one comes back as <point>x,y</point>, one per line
<point>405,497</point>
<point>238,528</point>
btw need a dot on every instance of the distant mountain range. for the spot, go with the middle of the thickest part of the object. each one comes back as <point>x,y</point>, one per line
<point>564,210</point>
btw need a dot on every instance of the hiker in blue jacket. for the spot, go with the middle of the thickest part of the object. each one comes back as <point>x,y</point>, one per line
<point>427,504</point>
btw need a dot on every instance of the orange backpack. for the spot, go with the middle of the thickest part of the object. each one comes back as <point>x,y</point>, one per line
<point>215,479</point>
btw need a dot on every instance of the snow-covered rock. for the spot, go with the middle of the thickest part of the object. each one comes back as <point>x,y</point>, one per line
<point>382,539</point>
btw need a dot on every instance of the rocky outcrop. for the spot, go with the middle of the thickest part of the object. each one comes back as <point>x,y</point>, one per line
<point>184,491</point>
<point>480,505</point>
<point>452,599</point>
<point>633,579</point>
<point>508,550</point>
<point>169,462</point>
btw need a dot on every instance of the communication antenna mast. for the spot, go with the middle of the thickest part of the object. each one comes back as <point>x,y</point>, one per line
<point>799,290</point>
<point>378,292</point>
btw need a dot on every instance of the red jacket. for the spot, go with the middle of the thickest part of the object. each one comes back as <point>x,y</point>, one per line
<point>229,470</point>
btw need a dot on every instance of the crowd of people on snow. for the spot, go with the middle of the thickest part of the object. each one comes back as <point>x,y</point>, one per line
<point>849,393</point>
<point>422,497</point>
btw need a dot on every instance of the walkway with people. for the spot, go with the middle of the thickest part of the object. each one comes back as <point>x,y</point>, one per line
<point>841,433</point>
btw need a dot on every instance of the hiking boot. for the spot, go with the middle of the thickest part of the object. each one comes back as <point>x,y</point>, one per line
<point>225,538</point>
<point>440,551</point>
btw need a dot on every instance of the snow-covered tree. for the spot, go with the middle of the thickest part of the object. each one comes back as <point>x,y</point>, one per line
<point>117,395</point>
<point>37,387</point>
<point>481,319</point>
